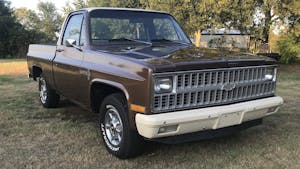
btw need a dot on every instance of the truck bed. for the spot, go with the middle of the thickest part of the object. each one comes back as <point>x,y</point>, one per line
<point>41,56</point>
<point>42,51</point>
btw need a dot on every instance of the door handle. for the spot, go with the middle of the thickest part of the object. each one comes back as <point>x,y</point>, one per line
<point>59,50</point>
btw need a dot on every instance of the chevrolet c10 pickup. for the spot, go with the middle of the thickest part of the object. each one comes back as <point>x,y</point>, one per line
<point>140,72</point>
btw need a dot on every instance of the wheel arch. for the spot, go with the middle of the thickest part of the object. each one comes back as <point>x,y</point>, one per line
<point>36,71</point>
<point>106,87</point>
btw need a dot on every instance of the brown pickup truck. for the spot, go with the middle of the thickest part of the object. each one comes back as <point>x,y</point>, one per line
<point>147,81</point>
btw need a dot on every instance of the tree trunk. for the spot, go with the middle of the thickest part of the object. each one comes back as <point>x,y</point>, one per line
<point>267,26</point>
<point>198,37</point>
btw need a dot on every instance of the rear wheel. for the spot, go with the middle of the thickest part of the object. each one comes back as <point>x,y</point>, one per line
<point>119,139</point>
<point>48,97</point>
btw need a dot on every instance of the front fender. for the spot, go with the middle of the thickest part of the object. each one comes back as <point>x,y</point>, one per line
<point>113,84</point>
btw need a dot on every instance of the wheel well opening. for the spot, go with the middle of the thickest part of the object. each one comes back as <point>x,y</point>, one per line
<point>99,91</point>
<point>36,72</point>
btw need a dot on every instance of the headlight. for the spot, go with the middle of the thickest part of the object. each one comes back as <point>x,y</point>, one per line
<point>163,85</point>
<point>271,73</point>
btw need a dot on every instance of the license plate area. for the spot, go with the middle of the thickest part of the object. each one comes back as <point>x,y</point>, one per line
<point>229,119</point>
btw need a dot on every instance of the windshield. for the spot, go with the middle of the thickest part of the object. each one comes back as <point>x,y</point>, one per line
<point>121,26</point>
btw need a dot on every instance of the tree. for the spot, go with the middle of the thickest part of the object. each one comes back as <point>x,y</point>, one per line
<point>197,15</point>
<point>27,18</point>
<point>79,4</point>
<point>51,20</point>
<point>293,17</point>
<point>257,17</point>
<point>9,31</point>
<point>269,13</point>
<point>289,42</point>
<point>31,22</point>
<point>67,9</point>
<point>289,48</point>
<point>115,3</point>
<point>75,5</point>
<point>18,29</point>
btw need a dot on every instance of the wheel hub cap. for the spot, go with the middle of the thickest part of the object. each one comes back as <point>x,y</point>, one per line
<point>43,90</point>
<point>113,126</point>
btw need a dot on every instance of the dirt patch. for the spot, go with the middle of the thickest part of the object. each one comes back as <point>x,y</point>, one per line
<point>13,67</point>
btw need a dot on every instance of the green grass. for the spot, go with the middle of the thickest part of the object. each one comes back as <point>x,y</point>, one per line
<point>68,137</point>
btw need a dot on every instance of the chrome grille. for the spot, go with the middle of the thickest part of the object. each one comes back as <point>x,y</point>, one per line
<point>206,88</point>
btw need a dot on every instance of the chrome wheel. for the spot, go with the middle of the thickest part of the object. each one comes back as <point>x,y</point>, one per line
<point>113,126</point>
<point>43,90</point>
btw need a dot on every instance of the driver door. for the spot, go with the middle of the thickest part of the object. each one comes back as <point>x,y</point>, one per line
<point>68,60</point>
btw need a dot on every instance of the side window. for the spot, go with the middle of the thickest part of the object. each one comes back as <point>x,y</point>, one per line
<point>73,29</point>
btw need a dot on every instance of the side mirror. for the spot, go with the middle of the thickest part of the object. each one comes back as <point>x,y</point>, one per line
<point>70,42</point>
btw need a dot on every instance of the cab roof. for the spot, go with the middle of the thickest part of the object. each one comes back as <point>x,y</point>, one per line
<point>120,9</point>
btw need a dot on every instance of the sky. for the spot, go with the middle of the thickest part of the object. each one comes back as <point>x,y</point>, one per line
<point>32,4</point>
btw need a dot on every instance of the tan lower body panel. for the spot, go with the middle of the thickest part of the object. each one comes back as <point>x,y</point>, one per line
<point>187,121</point>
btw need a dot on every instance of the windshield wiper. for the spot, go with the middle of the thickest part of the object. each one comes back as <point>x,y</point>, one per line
<point>168,40</point>
<point>133,40</point>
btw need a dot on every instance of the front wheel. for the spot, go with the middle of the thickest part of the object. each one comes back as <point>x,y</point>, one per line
<point>48,97</point>
<point>119,139</point>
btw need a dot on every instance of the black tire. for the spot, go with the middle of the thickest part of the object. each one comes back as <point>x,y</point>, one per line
<point>131,143</point>
<point>48,97</point>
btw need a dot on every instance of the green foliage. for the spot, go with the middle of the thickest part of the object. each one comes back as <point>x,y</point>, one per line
<point>14,38</point>
<point>50,20</point>
<point>28,18</point>
<point>115,3</point>
<point>289,49</point>
<point>67,9</point>
<point>289,43</point>
<point>23,26</point>
<point>79,4</point>
<point>196,15</point>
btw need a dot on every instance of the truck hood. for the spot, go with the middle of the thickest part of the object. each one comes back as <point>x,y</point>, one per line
<point>180,57</point>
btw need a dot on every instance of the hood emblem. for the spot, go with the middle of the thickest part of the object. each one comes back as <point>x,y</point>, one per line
<point>228,86</point>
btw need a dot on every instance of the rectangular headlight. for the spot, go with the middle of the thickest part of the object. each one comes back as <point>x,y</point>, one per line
<point>271,73</point>
<point>163,85</point>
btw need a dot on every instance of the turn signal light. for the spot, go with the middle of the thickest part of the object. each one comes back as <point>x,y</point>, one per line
<point>167,129</point>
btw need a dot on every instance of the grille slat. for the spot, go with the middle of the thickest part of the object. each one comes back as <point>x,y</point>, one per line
<point>206,88</point>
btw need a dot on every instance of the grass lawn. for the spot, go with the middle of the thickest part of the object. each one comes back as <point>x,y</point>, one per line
<point>68,137</point>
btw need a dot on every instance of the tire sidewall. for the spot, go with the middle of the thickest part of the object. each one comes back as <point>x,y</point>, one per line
<point>52,99</point>
<point>122,111</point>
<point>45,103</point>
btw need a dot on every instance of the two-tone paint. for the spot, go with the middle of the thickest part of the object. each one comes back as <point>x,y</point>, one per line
<point>73,72</point>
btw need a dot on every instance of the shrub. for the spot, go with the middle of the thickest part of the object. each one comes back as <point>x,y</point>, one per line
<point>289,49</point>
